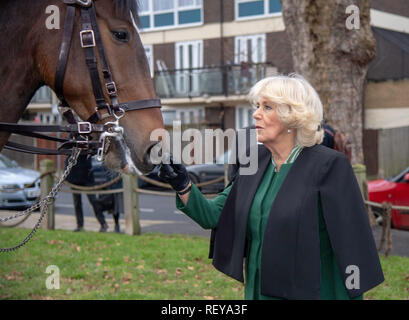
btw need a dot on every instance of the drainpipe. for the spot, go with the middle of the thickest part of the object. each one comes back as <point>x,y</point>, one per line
<point>222,62</point>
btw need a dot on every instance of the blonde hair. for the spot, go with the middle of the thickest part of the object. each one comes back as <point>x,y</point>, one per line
<point>298,106</point>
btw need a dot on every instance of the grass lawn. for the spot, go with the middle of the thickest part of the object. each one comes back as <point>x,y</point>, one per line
<point>150,266</point>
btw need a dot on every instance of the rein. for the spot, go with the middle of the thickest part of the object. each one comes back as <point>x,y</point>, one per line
<point>81,132</point>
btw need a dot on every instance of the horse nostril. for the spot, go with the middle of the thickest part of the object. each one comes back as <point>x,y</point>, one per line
<point>153,154</point>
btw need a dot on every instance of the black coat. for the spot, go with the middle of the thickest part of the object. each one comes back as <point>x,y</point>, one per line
<point>81,174</point>
<point>290,265</point>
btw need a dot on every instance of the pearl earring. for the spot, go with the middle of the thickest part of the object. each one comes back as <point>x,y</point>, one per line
<point>289,130</point>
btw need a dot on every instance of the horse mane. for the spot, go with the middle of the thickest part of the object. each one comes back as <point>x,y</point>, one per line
<point>124,8</point>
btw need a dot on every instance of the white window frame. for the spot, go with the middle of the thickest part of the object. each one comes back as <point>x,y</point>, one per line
<point>185,44</point>
<point>49,118</point>
<point>253,39</point>
<point>175,11</point>
<point>260,16</point>
<point>192,6</point>
<point>198,43</point>
<point>149,56</point>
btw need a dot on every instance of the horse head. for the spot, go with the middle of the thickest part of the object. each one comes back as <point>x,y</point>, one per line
<point>128,64</point>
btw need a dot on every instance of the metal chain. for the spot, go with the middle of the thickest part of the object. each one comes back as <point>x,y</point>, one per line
<point>43,203</point>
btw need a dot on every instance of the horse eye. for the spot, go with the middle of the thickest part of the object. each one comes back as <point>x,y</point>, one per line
<point>121,36</point>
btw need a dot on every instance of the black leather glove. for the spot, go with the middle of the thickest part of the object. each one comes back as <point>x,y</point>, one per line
<point>174,174</point>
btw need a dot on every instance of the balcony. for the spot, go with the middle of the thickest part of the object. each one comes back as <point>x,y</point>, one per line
<point>228,80</point>
<point>42,96</point>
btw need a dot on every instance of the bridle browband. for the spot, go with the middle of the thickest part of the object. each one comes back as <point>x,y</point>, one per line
<point>90,38</point>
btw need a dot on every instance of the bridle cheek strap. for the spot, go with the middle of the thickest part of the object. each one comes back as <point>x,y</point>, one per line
<point>90,38</point>
<point>64,53</point>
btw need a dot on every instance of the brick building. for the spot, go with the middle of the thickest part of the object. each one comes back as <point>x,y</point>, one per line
<point>205,55</point>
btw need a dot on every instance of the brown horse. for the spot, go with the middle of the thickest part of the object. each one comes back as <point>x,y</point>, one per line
<point>29,55</point>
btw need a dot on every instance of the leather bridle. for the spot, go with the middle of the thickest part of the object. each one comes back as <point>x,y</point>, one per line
<point>81,132</point>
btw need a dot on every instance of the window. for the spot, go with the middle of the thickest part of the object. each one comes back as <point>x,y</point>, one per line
<point>244,116</point>
<point>246,9</point>
<point>168,117</point>
<point>156,14</point>
<point>182,117</point>
<point>190,115</point>
<point>49,118</point>
<point>43,95</point>
<point>201,115</point>
<point>250,49</point>
<point>189,55</point>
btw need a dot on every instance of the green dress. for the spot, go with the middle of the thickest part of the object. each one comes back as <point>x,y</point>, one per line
<point>207,212</point>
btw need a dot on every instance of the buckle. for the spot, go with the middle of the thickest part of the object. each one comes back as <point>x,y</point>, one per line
<point>84,3</point>
<point>84,127</point>
<point>87,38</point>
<point>100,154</point>
<point>102,107</point>
<point>111,88</point>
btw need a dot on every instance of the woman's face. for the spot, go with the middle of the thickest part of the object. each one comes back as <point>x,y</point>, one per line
<point>269,128</point>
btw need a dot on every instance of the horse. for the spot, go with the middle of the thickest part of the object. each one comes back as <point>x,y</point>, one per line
<point>29,58</point>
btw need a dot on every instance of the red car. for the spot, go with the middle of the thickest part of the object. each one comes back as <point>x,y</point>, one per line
<point>396,191</point>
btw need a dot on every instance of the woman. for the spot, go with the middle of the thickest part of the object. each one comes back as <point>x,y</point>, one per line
<point>299,222</point>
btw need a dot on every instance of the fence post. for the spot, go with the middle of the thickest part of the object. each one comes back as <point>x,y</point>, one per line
<point>226,174</point>
<point>46,184</point>
<point>360,174</point>
<point>131,207</point>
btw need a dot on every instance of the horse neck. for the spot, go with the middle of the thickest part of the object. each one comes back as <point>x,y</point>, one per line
<point>19,78</point>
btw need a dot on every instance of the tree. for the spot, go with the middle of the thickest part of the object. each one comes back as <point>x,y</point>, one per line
<point>332,45</point>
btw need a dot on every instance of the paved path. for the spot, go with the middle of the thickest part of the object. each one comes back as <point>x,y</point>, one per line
<point>400,241</point>
<point>68,222</point>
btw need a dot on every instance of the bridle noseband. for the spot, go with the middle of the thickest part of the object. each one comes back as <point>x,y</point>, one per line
<point>90,39</point>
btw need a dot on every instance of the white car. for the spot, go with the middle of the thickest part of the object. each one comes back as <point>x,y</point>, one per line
<point>13,177</point>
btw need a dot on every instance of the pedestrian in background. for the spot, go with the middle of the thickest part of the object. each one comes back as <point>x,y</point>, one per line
<point>82,175</point>
<point>112,203</point>
<point>329,134</point>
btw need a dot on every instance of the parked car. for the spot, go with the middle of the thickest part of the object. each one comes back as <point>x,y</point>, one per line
<point>13,177</point>
<point>198,173</point>
<point>394,190</point>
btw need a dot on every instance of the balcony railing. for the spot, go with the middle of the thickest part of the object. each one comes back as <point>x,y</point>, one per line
<point>210,81</point>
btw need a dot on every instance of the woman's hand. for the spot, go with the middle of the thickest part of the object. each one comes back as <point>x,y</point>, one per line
<point>175,174</point>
